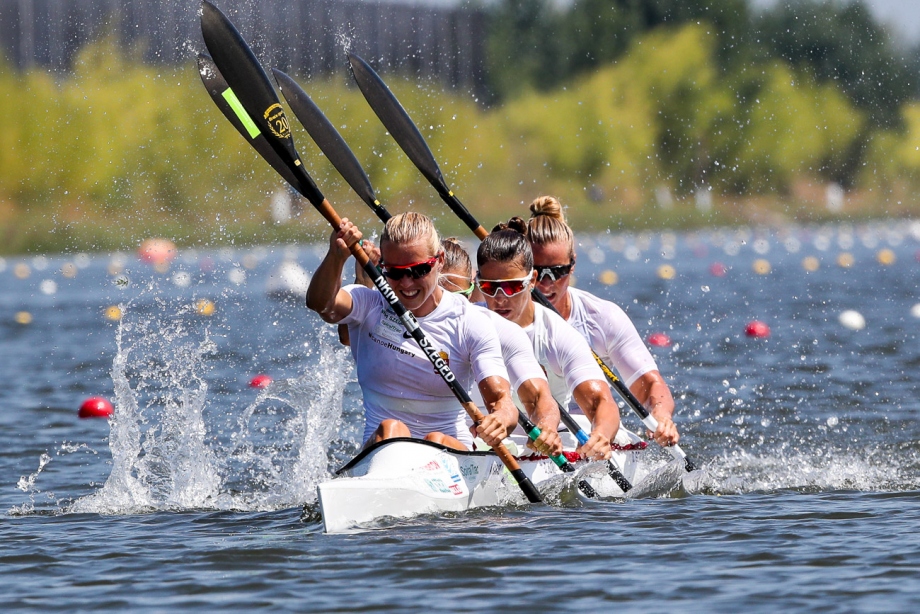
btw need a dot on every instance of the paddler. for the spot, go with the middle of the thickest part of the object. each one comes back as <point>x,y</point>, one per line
<point>403,396</point>
<point>527,377</point>
<point>505,277</point>
<point>605,326</point>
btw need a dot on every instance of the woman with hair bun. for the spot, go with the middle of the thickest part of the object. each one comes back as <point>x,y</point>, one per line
<point>605,326</point>
<point>528,382</point>
<point>505,277</point>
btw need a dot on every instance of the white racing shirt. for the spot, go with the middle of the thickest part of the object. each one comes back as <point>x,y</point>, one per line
<point>517,352</point>
<point>397,379</point>
<point>611,334</point>
<point>563,353</point>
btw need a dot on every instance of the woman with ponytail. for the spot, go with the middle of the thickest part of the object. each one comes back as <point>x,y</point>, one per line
<point>528,382</point>
<point>506,276</point>
<point>605,326</point>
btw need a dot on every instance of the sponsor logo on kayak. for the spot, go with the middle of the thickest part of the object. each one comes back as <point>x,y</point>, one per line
<point>277,122</point>
<point>469,471</point>
<point>437,485</point>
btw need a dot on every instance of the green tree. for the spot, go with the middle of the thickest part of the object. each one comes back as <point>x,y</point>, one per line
<point>845,45</point>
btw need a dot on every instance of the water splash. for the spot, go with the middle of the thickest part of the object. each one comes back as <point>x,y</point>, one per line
<point>345,40</point>
<point>27,485</point>
<point>740,471</point>
<point>170,450</point>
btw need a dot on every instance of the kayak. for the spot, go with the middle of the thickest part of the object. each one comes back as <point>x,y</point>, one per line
<point>405,477</point>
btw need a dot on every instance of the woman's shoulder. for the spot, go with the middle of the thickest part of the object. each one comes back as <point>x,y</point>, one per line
<point>593,306</point>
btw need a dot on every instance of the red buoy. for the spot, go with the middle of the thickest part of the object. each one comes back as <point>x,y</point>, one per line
<point>260,381</point>
<point>660,340</point>
<point>96,407</point>
<point>157,251</point>
<point>757,329</point>
<point>718,269</point>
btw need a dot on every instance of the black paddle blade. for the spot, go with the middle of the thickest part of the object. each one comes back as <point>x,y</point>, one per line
<point>228,103</point>
<point>406,133</point>
<point>394,117</point>
<point>329,141</point>
<point>243,73</point>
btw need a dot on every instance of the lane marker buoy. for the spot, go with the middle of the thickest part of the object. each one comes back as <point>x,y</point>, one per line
<point>886,257</point>
<point>608,278</point>
<point>852,319</point>
<point>811,264</point>
<point>96,407</point>
<point>666,271</point>
<point>205,307</point>
<point>157,252</point>
<point>660,340</point>
<point>261,381</point>
<point>113,313</point>
<point>757,329</point>
<point>762,266</point>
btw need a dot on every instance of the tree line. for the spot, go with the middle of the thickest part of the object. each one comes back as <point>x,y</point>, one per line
<point>536,45</point>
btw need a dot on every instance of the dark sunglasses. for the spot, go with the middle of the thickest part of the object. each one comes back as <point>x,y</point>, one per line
<point>554,272</point>
<point>510,287</point>
<point>417,269</point>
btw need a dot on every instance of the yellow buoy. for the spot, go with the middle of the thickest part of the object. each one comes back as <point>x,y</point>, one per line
<point>205,307</point>
<point>845,260</point>
<point>666,271</point>
<point>23,317</point>
<point>113,313</point>
<point>69,270</point>
<point>811,264</point>
<point>885,257</point>
<point>608,277</point>
<point>762,266</point>
<point>22,270</point>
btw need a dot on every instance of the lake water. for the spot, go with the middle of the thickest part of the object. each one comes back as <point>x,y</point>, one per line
<point>191,498</point>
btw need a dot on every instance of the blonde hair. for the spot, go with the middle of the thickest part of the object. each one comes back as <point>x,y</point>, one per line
<point>409,227</point>
<point>547,224</point>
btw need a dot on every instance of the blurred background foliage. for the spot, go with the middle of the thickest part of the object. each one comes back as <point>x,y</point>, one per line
<point>628,110</point>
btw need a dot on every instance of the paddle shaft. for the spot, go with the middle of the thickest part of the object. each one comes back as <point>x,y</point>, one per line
<point>534,432</point>
<point>238,65</point>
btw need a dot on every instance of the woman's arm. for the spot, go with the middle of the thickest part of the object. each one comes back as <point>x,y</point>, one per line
<point>325,295</point>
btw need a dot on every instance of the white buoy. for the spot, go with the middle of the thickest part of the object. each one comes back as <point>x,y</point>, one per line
<point>289,279</point>
<point>852,319</point>
<point>915,310</point>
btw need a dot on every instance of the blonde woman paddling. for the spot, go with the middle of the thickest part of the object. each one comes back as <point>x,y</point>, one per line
<point>403,396</point>
<point>605,326</point>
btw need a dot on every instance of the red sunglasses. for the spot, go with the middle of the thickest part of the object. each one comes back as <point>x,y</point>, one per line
<point>417,269</point>
<point>510,287</point>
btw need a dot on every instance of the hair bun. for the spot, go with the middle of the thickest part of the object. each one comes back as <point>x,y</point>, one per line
<point>548,206</point>
<point>517,224</point>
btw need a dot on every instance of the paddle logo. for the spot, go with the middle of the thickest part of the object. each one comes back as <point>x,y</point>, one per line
<point>277,122</point>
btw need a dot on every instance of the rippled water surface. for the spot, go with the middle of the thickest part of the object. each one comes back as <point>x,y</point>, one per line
<point>192,497</point>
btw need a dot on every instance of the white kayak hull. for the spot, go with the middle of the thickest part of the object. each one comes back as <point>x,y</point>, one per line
<point>406,477</point>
